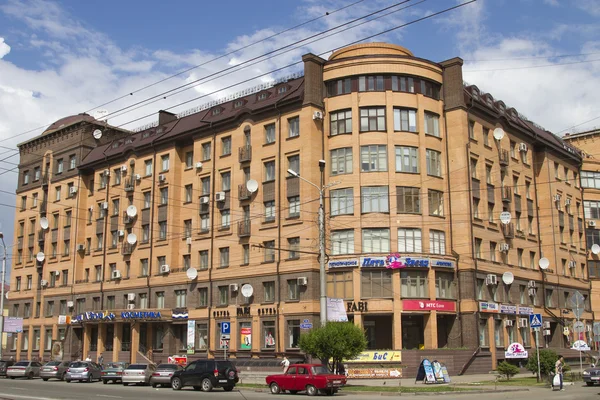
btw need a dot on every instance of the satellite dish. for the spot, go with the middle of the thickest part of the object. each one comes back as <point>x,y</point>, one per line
<point>252,186</point>
<point>40,256</point>
<point>498,133</point>
<point>131,238</point>
<point>505,217</point>
<point>97,134</point>
<point>595,249</point>
<point>508,278</point>
<point>131,211</point>
<point>192,273</point>
<point>544,263</point>
<point>44,223</point>
<point>247,290</point>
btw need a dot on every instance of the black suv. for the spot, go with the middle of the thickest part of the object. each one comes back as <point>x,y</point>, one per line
<point>205,375</point>
<point>4,364</point>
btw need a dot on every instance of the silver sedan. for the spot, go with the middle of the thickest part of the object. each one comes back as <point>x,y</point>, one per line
<point>24,369</point>
<point>138,373</point>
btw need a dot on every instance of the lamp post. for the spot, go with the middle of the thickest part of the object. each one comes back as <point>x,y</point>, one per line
<point>2,292</point>
<point>322,276</point>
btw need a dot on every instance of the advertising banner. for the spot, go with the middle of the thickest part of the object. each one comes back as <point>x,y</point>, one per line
<point>508,309</point>
<point>525,310</point>
<point>58,347</point>
<point>179,360</point>
<point>246,336</point>
<point>13,324</point>
<point>374,373</point>
<point>336,310</point>
<point>488,307</point>
<point>191,336</point>
<point>516,350</point>
<point>347,263</point>
<point>373,356</point>
<point>428,305</point>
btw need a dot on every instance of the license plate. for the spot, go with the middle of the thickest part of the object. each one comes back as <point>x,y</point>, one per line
<point>222,380</point>
<point>76,376</point>
<point>595,378</point>
<point>164,374</point>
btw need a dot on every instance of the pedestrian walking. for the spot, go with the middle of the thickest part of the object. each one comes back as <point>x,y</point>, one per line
<point>101,359</point>
<point>558,370</point>
<point>285,363</point>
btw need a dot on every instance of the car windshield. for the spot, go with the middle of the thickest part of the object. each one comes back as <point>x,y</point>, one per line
<point>22,364</point>
<point>137,366</point>
<point>320,370</point>
<point>168,366</point>
<point>114,365</point>
<point>78,365</point>
<point>53,363</point>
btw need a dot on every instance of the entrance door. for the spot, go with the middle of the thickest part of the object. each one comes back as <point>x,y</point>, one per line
<point>378,330</point>
<point>413,336</point>
<point>143,338</point>
<point>444,327</point>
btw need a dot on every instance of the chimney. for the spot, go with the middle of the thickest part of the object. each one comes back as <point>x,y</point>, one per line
<point>453,83</point>
<point>165,117</point>
<point>313,80</point>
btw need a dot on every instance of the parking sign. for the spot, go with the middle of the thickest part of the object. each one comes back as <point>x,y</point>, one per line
<point>225,328</point>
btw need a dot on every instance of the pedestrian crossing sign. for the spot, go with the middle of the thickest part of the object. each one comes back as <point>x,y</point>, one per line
<point>535,320</point>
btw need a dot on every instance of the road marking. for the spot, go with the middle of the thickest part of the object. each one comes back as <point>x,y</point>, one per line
<point>15,396</point>
<point>17,388</point>
<point>106,395</point>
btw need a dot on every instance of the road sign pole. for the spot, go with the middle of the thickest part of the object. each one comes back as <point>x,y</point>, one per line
<point>537,349</point>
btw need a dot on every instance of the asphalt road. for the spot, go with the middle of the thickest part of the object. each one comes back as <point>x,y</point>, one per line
<point>19,389</point>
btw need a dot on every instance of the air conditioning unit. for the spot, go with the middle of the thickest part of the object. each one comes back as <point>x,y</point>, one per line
<point>572,264</point>
<point>546,324</point>
<point>318,115</point>
<point>121,233</point>
<point>164,269</point>
<point>568,201</point>
<point>204,200</point>
<point>588,328</point>
<point>531,292</point>
<point>504,247</point>
<point>138,177</point>
<point>188,241</point>
<point>116,275</point>
<point>131,306</point>
<point>557,197</point>
<point>220,196</point>
<point>509,322</point>
<point>123,168</point>
<point>302,281</point>
<point>43,283</point>
<point>523,322</point>
<point>80,247</point>
<point>591,223</point>
<point>523,147</point>
<point>105,205</point>
<point>199,164</point>
<point>130,296</point>
<point>531,284</point>
<point>233,287</point>
<point>106,172</point>
<point>491,279</point>
<point>547,332</point>
<point>72,190</point>
<point>162,178</point>
<point>70,304</point>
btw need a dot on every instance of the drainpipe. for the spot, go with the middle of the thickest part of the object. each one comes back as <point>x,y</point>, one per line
<point>104,236</point>
<point>212,236</point>
<point>277,265</point>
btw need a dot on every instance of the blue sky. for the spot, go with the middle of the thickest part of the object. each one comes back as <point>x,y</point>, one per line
<point>60,58</point>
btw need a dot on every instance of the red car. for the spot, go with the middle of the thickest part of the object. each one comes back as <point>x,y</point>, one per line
<point>313,378</point>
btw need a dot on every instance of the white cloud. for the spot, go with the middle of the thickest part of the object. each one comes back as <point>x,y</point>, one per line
<point>592,7</point>
<point>4,48</point>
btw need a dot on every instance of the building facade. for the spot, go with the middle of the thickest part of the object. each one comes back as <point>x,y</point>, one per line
<point>155,240</point>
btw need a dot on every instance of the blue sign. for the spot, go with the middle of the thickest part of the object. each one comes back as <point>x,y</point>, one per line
<point>372,262</point>
<point>225,328</point>
<point>306,325</point>
<point>535,320</point>
<point>443,263</point>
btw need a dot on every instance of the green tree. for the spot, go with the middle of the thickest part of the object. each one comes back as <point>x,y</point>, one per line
<point>547,362</point>
<point>334,342</point>
<point>507,369</point>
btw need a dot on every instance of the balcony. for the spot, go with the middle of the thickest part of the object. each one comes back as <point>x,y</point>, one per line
<point>45,179</point>
<point>127,219</point>
<point>129,184</point>
<point>503,157</point>
<point>506,194</point>
<point>245,153</point>
<point>508,230</point>
<point>41,235</point>
<point>44,206</point>
<point>243,192</point>
<point>244,228</point>
<point>127,249</point>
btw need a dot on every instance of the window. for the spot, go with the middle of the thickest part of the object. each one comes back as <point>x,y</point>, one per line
<point>342,242</point>
<point>341,122</point>
<point>471,130</point>
<point>143,301</point>
<point>187,261</point>
<point>407,159</point>
<point>293,289</point>
<point>373,158</point>
<point>434,163</point>
<point>205,183</point>
<point>203,297</point>
<point>148,167</point>
<point>483,333</point>
<point>27,310</point>
<point>374,199</point>
<point>376,240</point>
<point>59,166</point>
<point>65,277</point>
<point>526,336</point>
<point>436,203</point>
<point>556,168</point>
<point>340,285</point>
<point>269,289</point>
<point>206,151</point>
<point>340,86</point>
<point>406,84</point>
<point>225,219</point>
<point>180,298</point>
<point>48,339</point>
<point>437,242</point>
<point>341,201</point>
<point>269,248</point>
<point>23,202</point>
<point>294,127</point>
<point>18,284</point>
<point>223,295</point>
<point>341,161</point>
<point>25,177</point>
<point>99,241</point>
<point>160,299</point>
<point>203,256</point>
<point>62,307</point>
<point>189,159</point>
<point>591,209</point>
<point>224,256</point>
<point>474,168</point>
<point>294,247</point>
<point>269,171</point>
<point>164,196</point>
<point>405,120</point>
<point>147,199</point>
<point>162,230</point>
<point>25,341</point>
<point>269,133</point>
<point>226,181</point>
<point>414,284</point>
<point>144,266</point>
<point>370,83</point>
<point>293,333</point>
<point>294,163</point>
<point>444,285</point>
<point>58,190</point>
<point>493,251</point>
<point>593,269</point>
<point>498,333</point>
<point>486,137</point>
<point>36,174</point>
<point>145,233</point>
<point>245,254</point>
<point>269,211</point>
<point>430,89</point>
<point>294,206</point>
<point>549,293</point>
<point>188,193</point>
<point>478,243</point>
<point>372,119</point>
<point>204,222</point>
<point>376,284</point>
<point>432,124</point>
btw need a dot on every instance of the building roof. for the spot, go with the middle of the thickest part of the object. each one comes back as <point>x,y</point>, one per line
<point>592,132</point>
<point>66,121</point>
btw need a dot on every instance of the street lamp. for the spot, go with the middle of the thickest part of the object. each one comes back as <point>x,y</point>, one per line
<point>2,292</point>
<point>322,277</point>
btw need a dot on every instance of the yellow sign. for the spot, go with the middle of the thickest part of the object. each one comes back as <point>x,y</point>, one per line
<point>376,356</point>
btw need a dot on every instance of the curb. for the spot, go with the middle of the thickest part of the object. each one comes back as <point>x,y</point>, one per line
<point>356,392</point>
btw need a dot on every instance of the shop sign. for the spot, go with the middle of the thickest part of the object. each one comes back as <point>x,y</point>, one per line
<point>516,350</point>
<point>395,261</point>
<point>140,315</point>
<point>372,262</point>
<point>428,305</point>
<point>525,310</point>
<point>64,319</point>
<point>246,337</point>
<point>374,373</point>
<point>349,263</point>
<point>94,316</point>
<point>580,345</point>
<point>442,263</point>
<point>179,313</point>
<point>353,306</point>
<point>488,307</point>
<point>377,356</point>
<point>179,360</point>
<point>508,309</point>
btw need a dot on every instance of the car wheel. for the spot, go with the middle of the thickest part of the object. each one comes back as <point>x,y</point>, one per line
<point>228,388</point>
<point>90,379</point>
<point>105,381</point>
<point>62,377</point>
<point>68,380</point>
<point>176,384</point>
<point>275,389</point>
<point>207,385</point>
<point>45,379</point>
<point>311,390</point>
<point>154,385</point>
<point>330,392</point>
<point>590,383</point>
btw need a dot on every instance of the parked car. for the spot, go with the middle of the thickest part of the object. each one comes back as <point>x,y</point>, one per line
<point>24,369</point>
<point>591,376</point>
<point>163,373</point>
<point>312,378</point>
<point>4,364</point>
<point>206,375</point>
<point>113,371</point>
<point>54,369</point>
<point>138,373</point>
<point>83,371</point>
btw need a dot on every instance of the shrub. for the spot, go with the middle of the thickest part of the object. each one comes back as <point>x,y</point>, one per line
<point>547,362</point>
<point>507,370</point>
